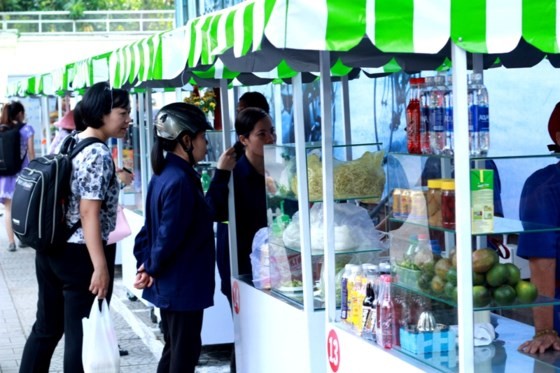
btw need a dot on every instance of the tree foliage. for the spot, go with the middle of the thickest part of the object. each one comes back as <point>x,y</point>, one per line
<point>79,6</point>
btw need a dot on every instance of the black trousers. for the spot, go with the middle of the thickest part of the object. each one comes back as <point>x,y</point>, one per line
<point>64,299</point>
<point>181,333</point>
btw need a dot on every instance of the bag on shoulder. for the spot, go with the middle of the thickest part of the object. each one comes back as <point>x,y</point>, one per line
<point>41,194</point>
<point>10,152</point>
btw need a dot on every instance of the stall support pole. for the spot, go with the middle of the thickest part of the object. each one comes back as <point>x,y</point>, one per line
<point>328,189</point>
<point>462,210</point>
<point>144,164</point>
<point>226,137</point>
<point>303,208</point>
<point>347,135</point>
<point>46,124</point>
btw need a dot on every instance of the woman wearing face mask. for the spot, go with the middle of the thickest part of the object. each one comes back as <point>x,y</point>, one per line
<point>72,277</point>
<point>175,248</point>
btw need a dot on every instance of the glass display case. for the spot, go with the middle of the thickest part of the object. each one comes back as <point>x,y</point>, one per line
<point>359,180</point>
<point>424,262</point>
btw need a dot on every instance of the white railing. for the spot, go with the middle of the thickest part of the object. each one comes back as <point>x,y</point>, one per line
<point>99,22</point>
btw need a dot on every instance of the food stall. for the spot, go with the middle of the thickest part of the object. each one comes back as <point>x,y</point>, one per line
<point>261,40</point>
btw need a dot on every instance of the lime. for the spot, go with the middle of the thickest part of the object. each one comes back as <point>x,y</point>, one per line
<point>479,278</point>
<point>481,296</point>
<point>504,295</point>
<point>497,275</point>
<point>514,274</point>
<point>526,291</point>
<point>452,276</point>
<point>442,266</point>
<point>450,291</point>
<point>424,282</point>
<point>437,284</point>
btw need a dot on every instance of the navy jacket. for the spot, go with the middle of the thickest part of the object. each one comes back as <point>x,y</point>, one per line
<point>250,215</point>
<point>176,243</point>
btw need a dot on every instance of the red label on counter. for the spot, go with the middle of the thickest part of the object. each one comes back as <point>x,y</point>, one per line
<point>235,296</point>
<point>333,351</point>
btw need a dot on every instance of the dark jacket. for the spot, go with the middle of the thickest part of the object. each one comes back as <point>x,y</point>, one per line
<point>250,215</point>
<point>176,243</point>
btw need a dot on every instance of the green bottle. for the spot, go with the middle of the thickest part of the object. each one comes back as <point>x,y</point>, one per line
<point>205,180</point>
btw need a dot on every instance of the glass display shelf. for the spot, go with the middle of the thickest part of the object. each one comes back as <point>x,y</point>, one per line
<point>501,226</point>
<point>480,158</point>
<point>320,252</point>
<point>440,297</point>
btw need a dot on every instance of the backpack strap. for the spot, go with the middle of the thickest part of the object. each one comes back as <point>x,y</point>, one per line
<point>72,148</point>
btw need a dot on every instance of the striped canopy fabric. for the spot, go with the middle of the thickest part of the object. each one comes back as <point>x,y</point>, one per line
<point>276,38</point>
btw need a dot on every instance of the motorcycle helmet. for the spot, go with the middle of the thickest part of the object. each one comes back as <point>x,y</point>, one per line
<point>179,117</point>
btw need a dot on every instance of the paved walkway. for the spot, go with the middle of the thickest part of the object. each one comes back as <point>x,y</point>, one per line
<point>135,331</point>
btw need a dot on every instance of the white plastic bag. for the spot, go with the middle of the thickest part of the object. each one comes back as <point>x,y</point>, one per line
<point>100,349</point>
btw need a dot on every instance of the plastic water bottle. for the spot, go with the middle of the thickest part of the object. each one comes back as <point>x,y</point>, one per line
<point>205,180</point>
<point>437,114</point>
<point>482,115</point>
<point>413,118</point>
<point>474,130</point>
<point>425,115</point>
<point>448,118</point>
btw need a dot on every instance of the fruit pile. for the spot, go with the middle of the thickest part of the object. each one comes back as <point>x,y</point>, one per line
<point>498,282</point>
<point>494,283</point>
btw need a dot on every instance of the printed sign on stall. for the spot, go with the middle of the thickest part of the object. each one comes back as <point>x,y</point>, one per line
<point>333,351</point>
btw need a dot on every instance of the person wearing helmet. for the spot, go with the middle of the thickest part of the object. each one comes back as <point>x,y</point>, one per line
<point>175,248</point>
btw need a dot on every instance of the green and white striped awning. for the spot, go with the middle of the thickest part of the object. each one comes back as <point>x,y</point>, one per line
<point>277,38</point>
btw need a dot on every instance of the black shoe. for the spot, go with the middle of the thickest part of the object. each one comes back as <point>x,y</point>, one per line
<point>22,245</point>
<point>122,352</point>
<point>12,247</point>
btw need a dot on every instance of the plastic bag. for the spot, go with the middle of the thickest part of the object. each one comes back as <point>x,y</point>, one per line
<point>353,229</point>
<point>122,228</point>
<point>100,349</point>
<point>269,263</point>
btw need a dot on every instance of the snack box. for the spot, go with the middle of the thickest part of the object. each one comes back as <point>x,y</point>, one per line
<point>482,200</point>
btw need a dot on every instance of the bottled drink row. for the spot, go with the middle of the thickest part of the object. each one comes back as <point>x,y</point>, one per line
<point>429,116</point>
<point>366,302</point>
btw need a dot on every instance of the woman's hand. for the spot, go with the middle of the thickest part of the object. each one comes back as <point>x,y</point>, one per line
<point>143,279</point>
<point>126,177</point>
<point>540,344</point>
<point>99,284</point>
<point>227,160</point>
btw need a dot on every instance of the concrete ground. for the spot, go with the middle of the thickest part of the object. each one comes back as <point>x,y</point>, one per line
<point>135,330</point>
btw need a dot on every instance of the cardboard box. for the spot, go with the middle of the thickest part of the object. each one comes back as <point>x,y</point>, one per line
<point>482,201</point>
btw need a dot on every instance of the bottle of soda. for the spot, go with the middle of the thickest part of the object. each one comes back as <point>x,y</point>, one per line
<point>482,114</point>
<point>448,118</point>
<point>413,118</point>
<point>425,115</point>
<point>474,130</point>
<point>387,319</point>
<point>437,115</point>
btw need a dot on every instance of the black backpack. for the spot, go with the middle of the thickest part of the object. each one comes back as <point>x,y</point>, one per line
<point>10,155</point>
<point>40,200</point>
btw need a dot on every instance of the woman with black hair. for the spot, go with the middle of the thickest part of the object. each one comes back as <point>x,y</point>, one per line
<point>13,114</point>
<point>175,250</point>
<point>254,129</point>
<point>72,277</point>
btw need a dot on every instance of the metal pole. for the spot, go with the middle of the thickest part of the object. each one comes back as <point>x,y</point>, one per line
<point>463,210</point>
